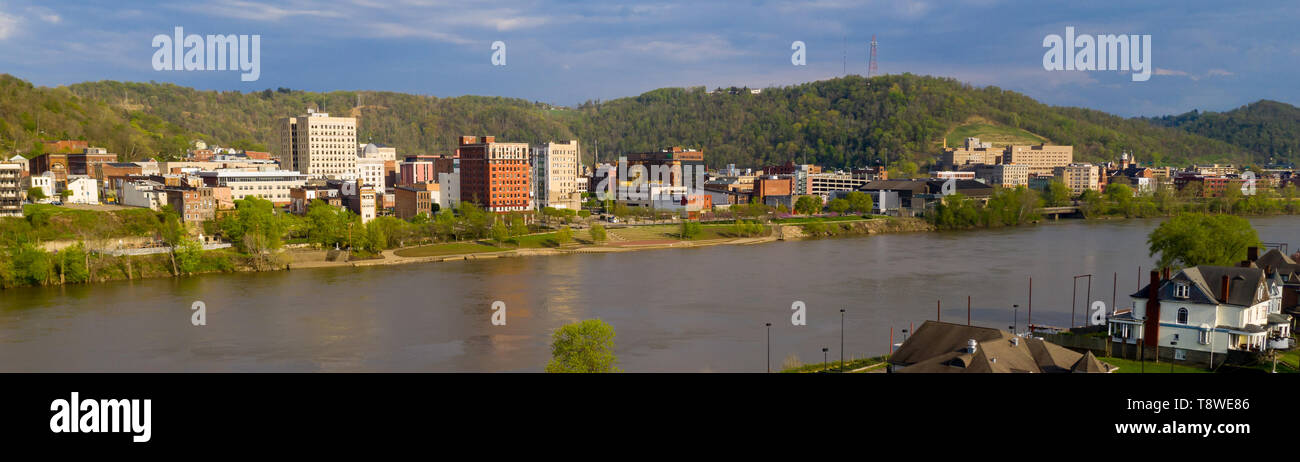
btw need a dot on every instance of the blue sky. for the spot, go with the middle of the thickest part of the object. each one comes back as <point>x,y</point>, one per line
<point>1208,55</point>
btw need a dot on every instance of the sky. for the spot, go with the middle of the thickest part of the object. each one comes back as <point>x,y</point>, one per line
<point>1206,55</point>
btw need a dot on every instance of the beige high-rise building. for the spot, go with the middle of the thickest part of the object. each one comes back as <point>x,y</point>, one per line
<point>1079,177</point>
<point>319,146</point>
<point>1041,159</point>
<point>555,175</point>
<point>973,152</point>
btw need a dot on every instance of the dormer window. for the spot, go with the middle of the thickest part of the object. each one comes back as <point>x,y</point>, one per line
<point>1181,290</point>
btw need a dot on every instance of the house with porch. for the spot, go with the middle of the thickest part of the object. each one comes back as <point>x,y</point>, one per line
<point>1201,314</point>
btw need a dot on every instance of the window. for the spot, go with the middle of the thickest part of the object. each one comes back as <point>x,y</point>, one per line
<point>1204,338</point>
<point>1180,354</point>
<point>1181,290</point>
<point>1182,315</point>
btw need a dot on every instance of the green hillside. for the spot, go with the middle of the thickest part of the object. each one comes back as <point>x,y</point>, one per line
<point>850,121</point>
<point>1269,128</point>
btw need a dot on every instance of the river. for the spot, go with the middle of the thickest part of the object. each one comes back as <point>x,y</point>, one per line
<point>689,310</point>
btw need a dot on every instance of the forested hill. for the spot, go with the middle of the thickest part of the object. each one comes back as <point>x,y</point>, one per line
<point>1269,128</point>
<point>849,121</point>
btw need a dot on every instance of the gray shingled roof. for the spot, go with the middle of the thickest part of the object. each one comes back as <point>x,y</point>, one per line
<point>1206,285</point>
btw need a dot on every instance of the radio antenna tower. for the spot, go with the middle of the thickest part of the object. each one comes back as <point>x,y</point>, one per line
<point>871,68</point>
<point>844,51</point>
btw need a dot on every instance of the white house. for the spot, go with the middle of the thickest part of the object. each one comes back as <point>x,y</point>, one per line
<point>45,181</point>
<point>1203,310</point>
<point>85,190</point>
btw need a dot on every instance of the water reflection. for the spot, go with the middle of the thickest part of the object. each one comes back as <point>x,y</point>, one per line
<point>691,309</point>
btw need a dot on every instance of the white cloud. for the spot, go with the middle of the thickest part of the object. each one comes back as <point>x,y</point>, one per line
<point>686,49</point>
<point>8,25</point>
<point>45,14</point>
<point>254,11</point>
<point>1219,73</point>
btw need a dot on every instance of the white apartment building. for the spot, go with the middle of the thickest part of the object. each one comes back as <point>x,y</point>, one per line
<point>143,193</point>
<point>85,190</point>
<point>555,175</point>
<point>272,185</point>
<point>319,146</point>
<point>370,170</point>
<point>11,198</point>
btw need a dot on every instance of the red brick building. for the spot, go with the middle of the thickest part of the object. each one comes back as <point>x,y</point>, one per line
<point>495,175</point>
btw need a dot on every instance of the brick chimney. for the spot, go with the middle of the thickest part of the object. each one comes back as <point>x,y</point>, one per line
<point>1226,285</point>
<point>1151,327</point>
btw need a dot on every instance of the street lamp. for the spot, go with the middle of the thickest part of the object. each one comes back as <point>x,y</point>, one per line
<point>904,335</point>
<point>1015,319</point>
<point>825,358</point>
<point>841,339</point>
<point>769,348</point>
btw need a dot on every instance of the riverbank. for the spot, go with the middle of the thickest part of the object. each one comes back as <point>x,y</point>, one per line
<point>629,239</point>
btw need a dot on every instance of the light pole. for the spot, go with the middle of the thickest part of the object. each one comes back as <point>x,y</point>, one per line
<point>769,348</point>
<point>1015,318</point>
<point>841,339</point>
<point>825,359</point>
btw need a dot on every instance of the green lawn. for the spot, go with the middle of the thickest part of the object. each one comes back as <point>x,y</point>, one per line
<point>669,232</point>
<point>1128,366</point>
<point>999,135</point>
<point>849,364</point>
<point>451,248</point>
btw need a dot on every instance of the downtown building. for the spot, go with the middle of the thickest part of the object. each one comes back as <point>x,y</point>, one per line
<point>319,146</point>
<point>555,175</point>
<point>11,202</point>
<point>495,175</point>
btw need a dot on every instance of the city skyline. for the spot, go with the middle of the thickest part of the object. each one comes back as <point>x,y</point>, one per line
<point>569,52</point>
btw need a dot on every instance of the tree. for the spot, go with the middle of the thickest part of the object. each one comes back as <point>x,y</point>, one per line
<point>517,226</point>
<point>860,202</point>
<point>583,347</point>
<point>189,255</point>
<point>689,230</point>
<point>598,233</point>
<point>839,206</point>
<point>500,232</point>
<point>1121,197</point>
<point>1091,203</point>
<point>1191,239</point>
<point>1056,194</point>
<point>808,205</point>
<point>326,224</point>
<point>36,194</point>
<point>563,236</point>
